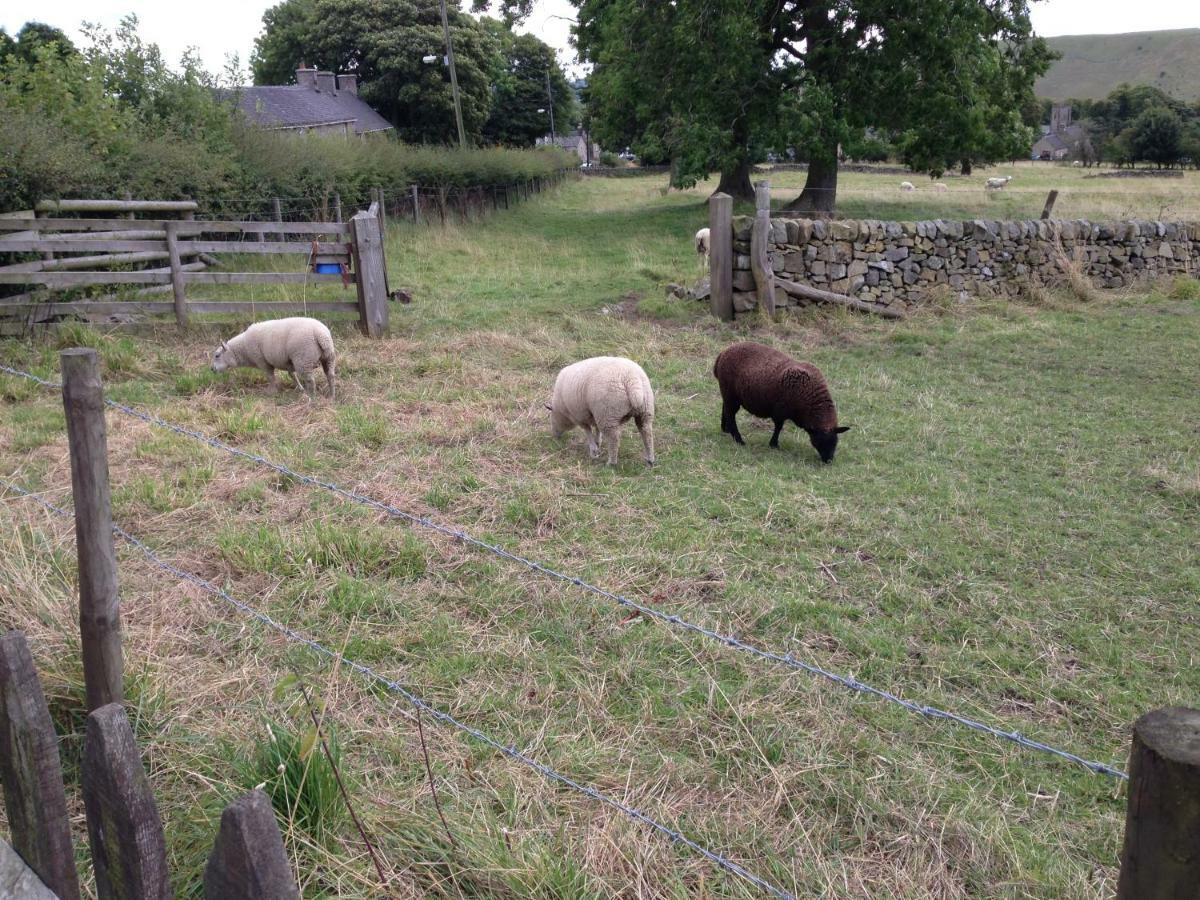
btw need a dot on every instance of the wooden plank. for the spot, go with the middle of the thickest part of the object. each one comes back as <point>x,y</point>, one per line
<point>338,249</point>
<point>63,245</point>
<point>102,260</point>
<point>33,310</point>
<point>372,280</point>
<point>720,255</point>
<point>99,606</point>
<point>1160,856</point>
<point>180,298</point>
<point>18,236</point>
<point>271,306</point>
<point>30,770</point>
<point>760,248</point>
<point>51,206</point>
<point>18,214</point>
<point>129,854</point>
<point>248,861</point>
<point>196,226</point>
<point>258,278</point>
<point>74,279</point>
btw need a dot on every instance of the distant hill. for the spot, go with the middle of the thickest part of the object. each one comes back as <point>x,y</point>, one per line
<point>1092,65</point>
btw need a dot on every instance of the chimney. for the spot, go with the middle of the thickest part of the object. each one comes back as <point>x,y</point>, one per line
<point>306,77</point>
<point>348,83</point>
<point>325,82</point>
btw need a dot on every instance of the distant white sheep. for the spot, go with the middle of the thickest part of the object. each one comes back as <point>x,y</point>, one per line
<point>907,186</point>
<point>1077,164</point>
<point>939,186</point>
<point>702,244</point>
<point>995,184</point>
<point>599,395</point>
<point>296,345</point>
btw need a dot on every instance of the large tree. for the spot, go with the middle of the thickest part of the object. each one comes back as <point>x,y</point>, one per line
<point>1155,136</point>
<point>519,90</point>
<point>710,84</point>
<point>383,42</point>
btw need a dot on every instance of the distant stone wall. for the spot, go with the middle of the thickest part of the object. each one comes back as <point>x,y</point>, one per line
<point>892,263</point>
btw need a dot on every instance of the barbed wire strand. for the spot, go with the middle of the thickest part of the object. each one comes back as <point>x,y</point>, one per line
<point>784,659</point>
<point>395,687</point>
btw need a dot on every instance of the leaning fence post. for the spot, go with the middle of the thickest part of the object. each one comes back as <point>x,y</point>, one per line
<point>1161,853</point>
<point>181,313</point>
<point>370,276</point>
<point>1050,198</point>
<point>31,773</point>
<point>248,861</point>
<point>720,255</point>
<point>129,853</point>
<point>99,605</point>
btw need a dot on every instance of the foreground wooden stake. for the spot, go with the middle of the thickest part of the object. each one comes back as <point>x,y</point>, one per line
<point>372,279</point>
<point>129,854</point>
<point>811,293</point>
<point>720,255</point>
<point>248,861</point>
<point>30,771</point>
<point>760,241</point>
<point>99,606</point>
<point>1161,855</point>
<point>1050,198</point>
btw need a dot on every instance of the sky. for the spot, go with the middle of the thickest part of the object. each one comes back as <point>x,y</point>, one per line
<point>219,27</point>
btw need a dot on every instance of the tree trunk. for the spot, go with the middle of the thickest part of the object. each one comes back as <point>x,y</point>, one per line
<point>820,189</point>
<point>966,167</point>
<point>736,182</point>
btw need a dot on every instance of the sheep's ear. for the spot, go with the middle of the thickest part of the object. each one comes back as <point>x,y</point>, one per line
<point>841,430</point>
<point>224,346</point>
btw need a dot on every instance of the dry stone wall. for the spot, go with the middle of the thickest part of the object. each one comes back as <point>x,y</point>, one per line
<point>901,263</point>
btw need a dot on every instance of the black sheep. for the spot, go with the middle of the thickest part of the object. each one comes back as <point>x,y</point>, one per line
<point>772,385</point>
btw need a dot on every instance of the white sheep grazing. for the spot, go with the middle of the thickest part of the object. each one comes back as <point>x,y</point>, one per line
<point>939,186</point>
<point>907,186</point>
<point>995,184</point>
<point>702,243</point>
<point>1077,164</point>
<point>599,395</point>
<point>297,345</point>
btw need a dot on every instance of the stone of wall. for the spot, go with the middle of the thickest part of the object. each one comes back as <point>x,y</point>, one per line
<point>901,263</point>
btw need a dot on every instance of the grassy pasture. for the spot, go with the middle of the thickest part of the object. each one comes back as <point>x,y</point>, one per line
<point>1008,532</point>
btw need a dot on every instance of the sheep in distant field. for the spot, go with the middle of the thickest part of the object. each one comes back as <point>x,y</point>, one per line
<point>907,186</point>
<point>995,184</point>
<point>702,243</point>
<point>939,186</point>
<point>1077,164</point>
<point>772,385</point>
<point>296,345</point>
<point>599,395</point>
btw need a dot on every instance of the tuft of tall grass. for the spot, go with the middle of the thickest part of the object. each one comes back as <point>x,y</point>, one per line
<point>298,778</point>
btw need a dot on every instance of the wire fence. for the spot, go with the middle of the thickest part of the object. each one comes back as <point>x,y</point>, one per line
<point>392,686</point>
<point>785,659</point>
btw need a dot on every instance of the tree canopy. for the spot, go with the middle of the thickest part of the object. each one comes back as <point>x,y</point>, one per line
<point>711,86</point>
<point>519,90</point>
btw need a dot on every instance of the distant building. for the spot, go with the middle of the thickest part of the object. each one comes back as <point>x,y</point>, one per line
<point>1061,140</point>
<point>318,102</point>
<point>576,142</point>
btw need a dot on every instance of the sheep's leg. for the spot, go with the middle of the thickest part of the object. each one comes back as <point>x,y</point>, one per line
<point>775,437</point>
<point>612,436</point>
<point>645,428</point>
<point>272,384</point>
<point>729,409</point>
<point>308,383</point>
<point>328,366</point>
<point>593,437</point>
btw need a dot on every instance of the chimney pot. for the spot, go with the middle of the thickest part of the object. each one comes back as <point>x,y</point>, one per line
<point>305,76</point>
<point>325,82</point>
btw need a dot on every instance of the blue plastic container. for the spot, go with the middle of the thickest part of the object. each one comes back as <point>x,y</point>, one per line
<point>328,268</point>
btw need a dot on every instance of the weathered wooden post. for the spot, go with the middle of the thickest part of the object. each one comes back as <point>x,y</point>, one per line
<point>1161,855</point>
<point>720,255</point>
<point>99,605</point>
<point>248,861</point>
<point>382,214</point>
<point>30,771</point>
<point>181,313</point>
<point>337,207</point>
<point>129,853</point>
<point>416,202</point>
<point>370,276</point>
<point>277,212</point>
<point>760,248</point>
<point>1050,198</point>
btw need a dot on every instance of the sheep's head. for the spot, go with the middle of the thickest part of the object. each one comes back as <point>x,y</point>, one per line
<point>825,442</point>
<point>222,358</point>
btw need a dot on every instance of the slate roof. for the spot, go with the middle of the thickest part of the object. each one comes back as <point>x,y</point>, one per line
<point>299,106</point>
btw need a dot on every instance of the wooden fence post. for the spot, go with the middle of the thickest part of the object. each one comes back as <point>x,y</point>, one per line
<point>181,313</point>
<point>248,861</point>
<point>1050,198</point>
<point>416,202</point>
<point>370,275</point>
<point>382,213</point>
<point>129,853</point>
<point>1161,854</point>
<point>99,605</point>
<point>720,255</point>
<point>760,248</point>
<point>31,773</point>
<point>337,207</point>
<point>277,212</point>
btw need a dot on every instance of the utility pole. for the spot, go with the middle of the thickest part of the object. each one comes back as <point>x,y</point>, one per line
<point>462,135</point>
<point>550,94</point>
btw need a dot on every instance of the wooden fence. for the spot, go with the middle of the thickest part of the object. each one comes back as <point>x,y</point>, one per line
<point>87,252</point>
<point>125,833</point>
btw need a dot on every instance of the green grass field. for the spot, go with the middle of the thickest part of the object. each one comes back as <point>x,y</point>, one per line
<point>1008,531</point>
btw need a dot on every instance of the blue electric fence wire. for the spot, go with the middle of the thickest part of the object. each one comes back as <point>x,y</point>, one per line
<point>784,659</point>
<point>395,687</point>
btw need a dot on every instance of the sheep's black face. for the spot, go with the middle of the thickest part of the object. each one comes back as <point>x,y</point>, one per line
<point>825,442</point>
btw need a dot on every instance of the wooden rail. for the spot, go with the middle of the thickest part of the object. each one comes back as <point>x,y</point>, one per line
<point>89,252</point>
